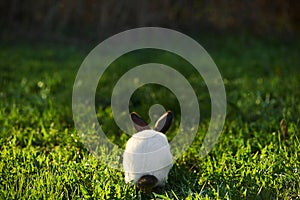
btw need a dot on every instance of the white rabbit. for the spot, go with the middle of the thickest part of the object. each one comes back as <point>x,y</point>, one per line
<point>147,158</point>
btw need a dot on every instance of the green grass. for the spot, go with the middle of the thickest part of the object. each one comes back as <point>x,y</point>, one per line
<point>42,157</point>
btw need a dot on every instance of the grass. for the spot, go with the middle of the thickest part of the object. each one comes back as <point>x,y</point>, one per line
<point>256,157</point>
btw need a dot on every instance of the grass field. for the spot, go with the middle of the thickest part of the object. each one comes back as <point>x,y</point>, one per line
<point>257,155</point>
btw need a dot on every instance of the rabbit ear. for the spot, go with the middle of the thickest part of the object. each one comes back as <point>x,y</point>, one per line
<point>138,123</point>
<point>164,122</point>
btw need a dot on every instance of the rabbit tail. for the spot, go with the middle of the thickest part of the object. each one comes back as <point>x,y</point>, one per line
<point>146,183</point>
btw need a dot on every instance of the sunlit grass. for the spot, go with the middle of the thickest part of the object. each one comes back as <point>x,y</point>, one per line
<point>256,157</point>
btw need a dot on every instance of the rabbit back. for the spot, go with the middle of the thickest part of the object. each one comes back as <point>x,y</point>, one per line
<point>147,153</point>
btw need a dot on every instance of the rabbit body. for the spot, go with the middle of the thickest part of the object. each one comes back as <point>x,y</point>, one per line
<point>147,159</point>
<point>147,153</point>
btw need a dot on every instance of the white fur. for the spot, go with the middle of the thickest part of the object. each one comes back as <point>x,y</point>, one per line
<point>147,153</point>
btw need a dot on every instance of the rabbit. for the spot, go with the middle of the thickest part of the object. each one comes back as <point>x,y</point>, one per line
<point>147,159</point>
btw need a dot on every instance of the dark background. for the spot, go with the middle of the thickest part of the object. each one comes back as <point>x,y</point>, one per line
<point>90,20</point>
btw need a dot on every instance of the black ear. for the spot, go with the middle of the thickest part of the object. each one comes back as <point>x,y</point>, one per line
<point>138,123</point>
<point>164,122</point>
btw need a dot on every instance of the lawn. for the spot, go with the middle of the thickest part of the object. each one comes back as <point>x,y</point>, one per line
<point>256,157</point>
